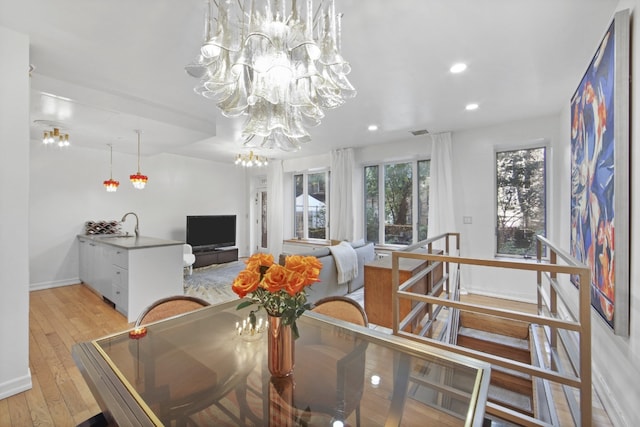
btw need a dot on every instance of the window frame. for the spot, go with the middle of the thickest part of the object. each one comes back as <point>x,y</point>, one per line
<point>535,144</point>
<point>305,188</point>
<point>381,198</point>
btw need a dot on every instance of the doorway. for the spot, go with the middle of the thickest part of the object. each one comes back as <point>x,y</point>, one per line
<point>261,221</point>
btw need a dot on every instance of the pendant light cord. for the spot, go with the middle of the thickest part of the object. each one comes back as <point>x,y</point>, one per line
<point>111,161</point>
<point>138,131</point>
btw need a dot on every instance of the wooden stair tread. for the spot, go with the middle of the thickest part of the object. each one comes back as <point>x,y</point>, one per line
<point>510,399</point>
<point>517,385</point>
<point>511,328</point>
<point>513,383</point>
<point>519,343</point>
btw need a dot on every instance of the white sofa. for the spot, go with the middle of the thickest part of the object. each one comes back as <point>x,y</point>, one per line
<point>328,284</point>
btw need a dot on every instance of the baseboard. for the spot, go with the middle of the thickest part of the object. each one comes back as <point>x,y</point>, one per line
<point>53,284</point>
<point>607,399</point>
<point>15,386</point>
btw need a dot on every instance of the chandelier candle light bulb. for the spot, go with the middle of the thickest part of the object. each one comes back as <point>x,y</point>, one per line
<point>250,160</point>
<point>276,63</point>
<point>55,137</point>
<point>251,328</point>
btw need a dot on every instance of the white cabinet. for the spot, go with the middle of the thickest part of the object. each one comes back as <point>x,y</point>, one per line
<point>131,278</point>
<point>120,288</point>
<point>93,270</point>
<point>86,259</point>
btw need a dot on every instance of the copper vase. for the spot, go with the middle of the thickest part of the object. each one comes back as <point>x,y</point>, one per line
<point>281,411</point>
<point>280,347</point>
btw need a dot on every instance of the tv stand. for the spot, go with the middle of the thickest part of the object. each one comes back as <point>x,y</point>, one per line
<point>206,257</point>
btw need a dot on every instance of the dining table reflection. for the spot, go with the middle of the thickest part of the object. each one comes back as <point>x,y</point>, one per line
<point>196,370</point>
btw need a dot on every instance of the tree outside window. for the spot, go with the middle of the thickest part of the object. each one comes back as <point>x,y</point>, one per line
<point>424,172</point>
<point>398,192</point>
<point>371,198</point>
<point>521,200</point>
<point>400,195</point>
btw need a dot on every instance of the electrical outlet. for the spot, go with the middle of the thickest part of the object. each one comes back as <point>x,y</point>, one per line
<point>466,220</point>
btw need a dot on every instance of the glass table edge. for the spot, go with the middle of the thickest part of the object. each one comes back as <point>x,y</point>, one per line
<point>409,346</point>
<point>136,396</point>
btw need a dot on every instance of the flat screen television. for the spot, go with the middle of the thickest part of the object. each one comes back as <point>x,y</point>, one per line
<point>211,231</point>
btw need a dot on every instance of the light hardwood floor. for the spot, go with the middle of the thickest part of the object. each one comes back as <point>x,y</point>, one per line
<point>61,317</point>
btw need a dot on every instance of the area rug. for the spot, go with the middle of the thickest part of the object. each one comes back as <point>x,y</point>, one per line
<point>213,283</point>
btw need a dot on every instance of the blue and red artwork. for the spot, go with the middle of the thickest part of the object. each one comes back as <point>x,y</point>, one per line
<point>592,176</point>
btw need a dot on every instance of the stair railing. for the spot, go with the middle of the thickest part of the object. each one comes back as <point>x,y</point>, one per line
<point>561,324</point>
<point>448,285</point>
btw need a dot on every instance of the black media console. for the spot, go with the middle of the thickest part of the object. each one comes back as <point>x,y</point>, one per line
<point>206,257</point>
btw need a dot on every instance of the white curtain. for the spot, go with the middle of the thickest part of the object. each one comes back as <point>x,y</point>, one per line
<point>275,208</point>
<point>441,213</point>
<point>341,195</point>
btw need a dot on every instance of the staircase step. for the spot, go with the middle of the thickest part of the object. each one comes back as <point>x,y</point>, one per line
<point>508,380</point>
<point>510,399</point>
<point>483,322</point>
<point>497,337</point>
<point>495,344</point>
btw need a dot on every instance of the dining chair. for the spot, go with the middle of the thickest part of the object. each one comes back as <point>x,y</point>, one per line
<point>191,392</point>
<point>333,382</point>
<point>188,258</point>
<point>343,308</point>
<point>169,307</point>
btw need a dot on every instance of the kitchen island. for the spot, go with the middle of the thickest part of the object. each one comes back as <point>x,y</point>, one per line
<point>130,272</point>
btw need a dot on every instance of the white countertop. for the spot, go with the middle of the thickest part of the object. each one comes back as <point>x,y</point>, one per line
<point>129,241</point>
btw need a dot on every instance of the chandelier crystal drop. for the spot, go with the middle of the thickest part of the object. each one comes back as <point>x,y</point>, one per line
<point>137,179</point>
<point>275,62</point>
<point>251,160</point>
<point>111,184</point>
<point>55,137</point>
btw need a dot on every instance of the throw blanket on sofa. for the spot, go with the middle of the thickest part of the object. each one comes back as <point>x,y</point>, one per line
<point>346,261</point>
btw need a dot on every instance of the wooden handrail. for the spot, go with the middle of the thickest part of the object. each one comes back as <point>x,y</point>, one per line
<point>549,316</point>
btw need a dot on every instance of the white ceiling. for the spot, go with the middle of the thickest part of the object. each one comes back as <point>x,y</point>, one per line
<point>104,68</point>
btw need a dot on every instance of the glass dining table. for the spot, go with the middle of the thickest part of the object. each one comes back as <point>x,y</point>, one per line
<point>196,369</point>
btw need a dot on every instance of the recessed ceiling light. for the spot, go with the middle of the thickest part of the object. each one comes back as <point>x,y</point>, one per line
<point>373,128</point>
<point>458,68</point>
<point>471,107</point>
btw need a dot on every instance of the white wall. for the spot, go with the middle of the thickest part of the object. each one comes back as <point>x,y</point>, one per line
<point>616,360</point>
<point>66,190</point>
<point>474,196</point>
<point>14,209</point>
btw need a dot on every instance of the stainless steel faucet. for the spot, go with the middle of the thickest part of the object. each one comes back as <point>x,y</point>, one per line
<point>135,230</point>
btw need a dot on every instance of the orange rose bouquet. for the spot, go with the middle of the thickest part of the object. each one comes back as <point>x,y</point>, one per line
<point>281,290</point>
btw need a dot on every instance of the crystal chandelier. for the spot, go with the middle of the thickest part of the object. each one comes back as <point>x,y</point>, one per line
<point>111,184</point>
<point>280,66</point>
<point>137,179</point>
<point>250,160</point>
<point>55,137</point>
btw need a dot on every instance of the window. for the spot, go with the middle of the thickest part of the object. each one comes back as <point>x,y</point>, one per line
<point>311,203</point>
<point>392,196</point>
<point>521,200</point>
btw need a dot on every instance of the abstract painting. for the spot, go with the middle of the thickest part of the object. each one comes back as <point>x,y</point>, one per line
<point>600,175</point>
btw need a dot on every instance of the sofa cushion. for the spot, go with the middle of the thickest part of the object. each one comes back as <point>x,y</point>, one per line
<point>358,243</point>
<point>328,284</point>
